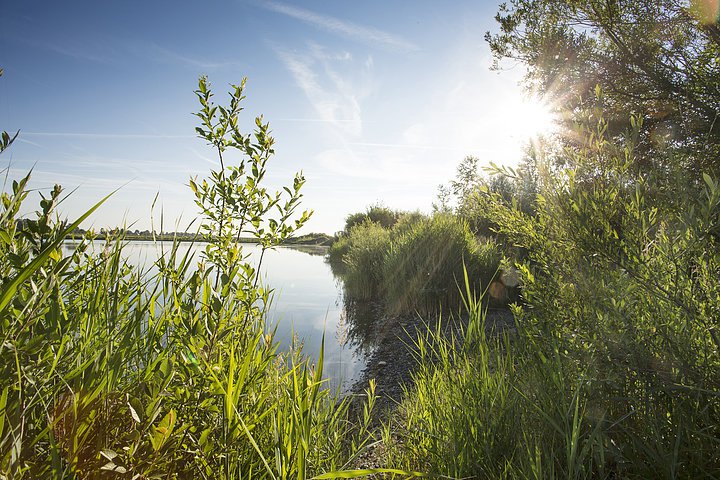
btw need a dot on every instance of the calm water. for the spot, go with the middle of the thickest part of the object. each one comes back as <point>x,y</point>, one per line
<point>308,301</point>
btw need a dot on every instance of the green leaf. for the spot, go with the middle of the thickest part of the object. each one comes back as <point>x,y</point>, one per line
<point>709,181</point>
<point>9,291</point>
<point>163,430</point>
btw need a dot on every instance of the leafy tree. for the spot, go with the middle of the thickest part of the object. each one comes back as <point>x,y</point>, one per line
<point>623,290</point>
<point>380,214</point>
<point>656,58</point>
<point>464,192</point>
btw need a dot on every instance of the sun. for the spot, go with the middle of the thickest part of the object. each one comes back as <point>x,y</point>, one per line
<point>531,119</point>
<point>512,122</point>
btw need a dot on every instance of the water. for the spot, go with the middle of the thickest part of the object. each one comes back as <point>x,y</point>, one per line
<point>307,302</point>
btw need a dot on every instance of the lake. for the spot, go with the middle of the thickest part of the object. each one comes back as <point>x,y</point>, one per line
<point>307,302</point>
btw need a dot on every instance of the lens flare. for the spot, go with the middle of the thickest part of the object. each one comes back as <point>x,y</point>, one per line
<point>706,11</point>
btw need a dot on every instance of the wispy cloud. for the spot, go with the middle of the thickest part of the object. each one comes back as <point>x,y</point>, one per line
<point>100,50</point>
<point>157,53</point>
<point>350,30</point>
<point>334,96</point>
<point>103,135</point>
<point>82,53</point>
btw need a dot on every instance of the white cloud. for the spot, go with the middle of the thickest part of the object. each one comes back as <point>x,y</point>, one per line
<point>331,83</point>
<point>347,29</point>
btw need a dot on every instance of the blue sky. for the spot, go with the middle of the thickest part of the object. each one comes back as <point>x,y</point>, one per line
<point>375,101</point>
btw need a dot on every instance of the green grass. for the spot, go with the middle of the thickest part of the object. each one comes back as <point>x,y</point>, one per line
<point>520,407</point>
<point>108,370</point>
<point>423,268</point>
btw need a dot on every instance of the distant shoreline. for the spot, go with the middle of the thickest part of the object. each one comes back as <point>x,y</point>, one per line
<point>310,239</point>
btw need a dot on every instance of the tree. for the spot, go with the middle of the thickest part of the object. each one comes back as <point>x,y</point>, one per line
<point>654,58</point>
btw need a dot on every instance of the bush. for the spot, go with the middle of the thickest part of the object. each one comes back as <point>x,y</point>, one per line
<point>415,266</point>
<point>379,214</point>
<point>423,269</point>
<point>616,370</point>
<point>366,251</point>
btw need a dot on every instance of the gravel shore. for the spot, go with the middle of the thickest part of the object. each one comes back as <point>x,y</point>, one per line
<point>392,363</point>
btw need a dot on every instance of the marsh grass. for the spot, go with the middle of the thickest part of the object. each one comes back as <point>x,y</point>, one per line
<point>110,370</point>
<point>519,407</point>
<point>423,268</point>
<point>364,260</point>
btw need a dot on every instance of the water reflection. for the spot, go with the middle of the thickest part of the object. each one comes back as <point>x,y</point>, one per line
<point>359,322</point>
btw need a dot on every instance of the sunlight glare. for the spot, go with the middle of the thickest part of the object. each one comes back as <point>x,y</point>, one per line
<point>531,119</point>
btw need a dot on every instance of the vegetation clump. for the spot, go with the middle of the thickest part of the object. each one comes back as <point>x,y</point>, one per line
<point>108,370</point>
<point>414,266</point>
<point>614,371</point>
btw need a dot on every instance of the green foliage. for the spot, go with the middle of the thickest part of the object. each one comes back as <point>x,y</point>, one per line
<point>462,194</point>
<point>654,58</point>
<point>495,408</point>
<point>108,370</point>
<point>416,265</point>
<point>367,248</point>
<point>378,213</point>
<point>424,265</point>
<point>614,371</point>
<point>623,281</point>
<point>235,201</point>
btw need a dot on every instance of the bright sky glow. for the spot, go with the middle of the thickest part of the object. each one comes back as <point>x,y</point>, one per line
<point>373,101</point>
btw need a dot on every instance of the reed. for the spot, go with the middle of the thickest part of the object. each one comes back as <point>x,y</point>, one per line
<point>423,268</point>
<point>108,370</point>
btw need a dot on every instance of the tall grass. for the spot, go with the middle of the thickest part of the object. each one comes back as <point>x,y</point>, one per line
<point>521,407</point>
<point>423,268</point>
<point>415,266</point>
<point>364,259</point>
<point>108,370</point>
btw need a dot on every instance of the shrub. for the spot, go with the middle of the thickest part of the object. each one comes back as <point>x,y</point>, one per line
<point>406,221</point>
<point>367,248</point>
<point>424,266</point>
<point>379,214</point>
<point>621,285</point>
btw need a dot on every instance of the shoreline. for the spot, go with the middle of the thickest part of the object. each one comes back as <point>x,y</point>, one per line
<point>393,362</point>
<point>392,365</point>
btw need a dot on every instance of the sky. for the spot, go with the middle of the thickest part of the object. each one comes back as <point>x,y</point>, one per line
<point>375,101</point>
